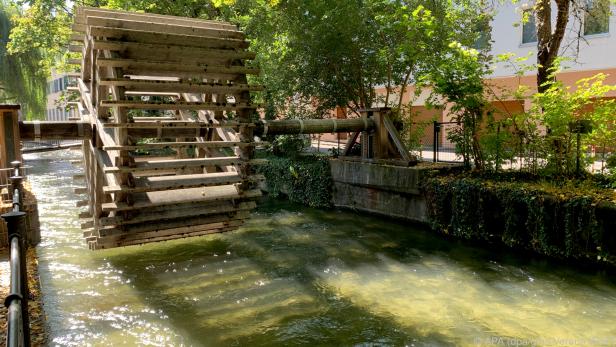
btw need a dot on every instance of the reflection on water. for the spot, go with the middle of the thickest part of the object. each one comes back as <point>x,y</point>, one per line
<point>297,276</point>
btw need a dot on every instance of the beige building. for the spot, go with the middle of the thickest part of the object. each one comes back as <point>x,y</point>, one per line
<point>56,109</point>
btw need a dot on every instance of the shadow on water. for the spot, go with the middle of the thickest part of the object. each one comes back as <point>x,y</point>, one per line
<point>260,285</point>
<point>297,276</point>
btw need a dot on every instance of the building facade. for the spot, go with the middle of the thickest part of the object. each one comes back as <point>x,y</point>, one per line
<point>589,48</point>
<point>57,109</point>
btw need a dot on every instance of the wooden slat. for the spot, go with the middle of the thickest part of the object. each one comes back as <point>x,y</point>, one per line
<point>176,164</point>
<point>169,52</point>
<point>162,27</point>
<point>160,145</point>
<point>179,87</point>
<point>129,35</point>
<point>178,105</point>
<point>174,124</point>
<point>75,48</point>
<point>77,37</point>
<point>173,224</point>
<point>155,65</point>
<point>174,214</point>
<point>147,184</point>
<point>80,28</point>
<point>85,215</point>
<point>80,190</point>
<point>183,197</point>
<point>84,11</point>
<point>178,233</point>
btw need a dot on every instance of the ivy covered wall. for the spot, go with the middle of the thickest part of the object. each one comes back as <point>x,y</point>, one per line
<point>305,179</point>
<point>558,225</point>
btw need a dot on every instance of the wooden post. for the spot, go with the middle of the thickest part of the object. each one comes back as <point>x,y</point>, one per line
<point>366,152</point>
<point>10,148</point>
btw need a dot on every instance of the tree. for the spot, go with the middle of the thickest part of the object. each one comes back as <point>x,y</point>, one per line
<point>550,38</point>
<point>22,78</point>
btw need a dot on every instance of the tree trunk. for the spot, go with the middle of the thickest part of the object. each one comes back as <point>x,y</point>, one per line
<point>548,41</point>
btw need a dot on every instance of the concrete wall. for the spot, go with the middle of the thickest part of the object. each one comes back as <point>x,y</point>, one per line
<point>392,191</point>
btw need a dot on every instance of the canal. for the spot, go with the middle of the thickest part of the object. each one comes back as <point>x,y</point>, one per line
<point>297,276</point>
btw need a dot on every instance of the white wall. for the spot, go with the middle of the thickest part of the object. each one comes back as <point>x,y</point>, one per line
<point>595,52</point>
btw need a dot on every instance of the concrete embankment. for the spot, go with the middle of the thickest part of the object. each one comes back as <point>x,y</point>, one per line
<point>392,191</point>
<point>572,226</point>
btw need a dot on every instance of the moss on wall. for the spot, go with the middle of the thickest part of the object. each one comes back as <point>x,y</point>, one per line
<point>303,179</point>
<point>565,226</point>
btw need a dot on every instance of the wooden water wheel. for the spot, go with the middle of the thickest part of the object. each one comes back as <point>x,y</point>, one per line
<point>172,141</point>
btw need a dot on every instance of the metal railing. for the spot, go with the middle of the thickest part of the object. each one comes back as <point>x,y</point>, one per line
<point>443,149</point>
<point>47,145</point>
<point>18,327</point>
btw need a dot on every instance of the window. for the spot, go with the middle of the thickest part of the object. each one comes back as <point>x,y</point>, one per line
<point>597,17</point>
<point>483,30</point>
<point>529,30</point>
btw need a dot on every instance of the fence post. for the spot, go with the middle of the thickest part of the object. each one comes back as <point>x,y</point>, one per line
<point>436,130</point>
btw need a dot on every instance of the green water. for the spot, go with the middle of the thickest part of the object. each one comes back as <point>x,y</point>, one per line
<point>296,276</point>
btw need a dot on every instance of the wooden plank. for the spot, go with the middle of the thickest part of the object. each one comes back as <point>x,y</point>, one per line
<point>167,226</point>
<point>86,98</point>
<point>178,105</point>
<point>176,164</point>
<point>161,145</point>
<point>51,130</point>
<point>87,225</point>
<point>156,65</point>
<point>82,203</point>
<point>84,11</point>
<point>80,190</point>
<point>350,142</point>
<point>153,118</point>
<point>75,48</point>
<point>179,87</point>
<point>395,136</point>
<point>161,124</point>
<point>183,197</point>
<point>77,37</point>
<point>104,243</point>
<point>85,215</point>
<point>174,214</point>
<point>80,28</point>
<point>176,39</point>
<point>170,52</point>
<point>151,26</point>
<point>74,61</point>
<point>175,182</point>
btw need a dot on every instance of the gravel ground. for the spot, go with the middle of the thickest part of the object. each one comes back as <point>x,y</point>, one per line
<point>38,328</point>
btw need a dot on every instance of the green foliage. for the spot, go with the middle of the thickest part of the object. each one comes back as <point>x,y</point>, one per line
<point>44,25</point>
<point>558,108</point>
<point>289,145</point>
<point>22,79</point>
<point>574,226</point>
<point>458,80</point>
<point>303,179</point>
<point>496,143</point>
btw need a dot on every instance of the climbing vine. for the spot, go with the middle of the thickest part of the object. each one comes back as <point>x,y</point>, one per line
<point>523,216</point>
<point>303,179</point>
